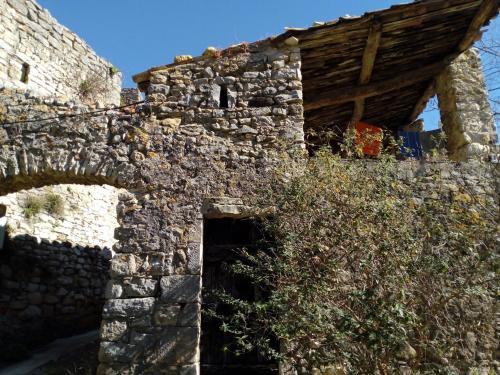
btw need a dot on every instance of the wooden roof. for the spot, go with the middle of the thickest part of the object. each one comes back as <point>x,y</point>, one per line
<point>380,67</point>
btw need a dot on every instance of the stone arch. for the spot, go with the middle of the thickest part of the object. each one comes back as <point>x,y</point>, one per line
<point>41,155</point>
<point>29,169</point>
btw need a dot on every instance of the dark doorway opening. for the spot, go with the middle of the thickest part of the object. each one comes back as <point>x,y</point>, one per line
<point>221,240</point>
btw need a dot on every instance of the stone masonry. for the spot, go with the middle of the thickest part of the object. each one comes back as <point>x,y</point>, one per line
<point>211,129</point>
<point>48,290</point>
<point>170,154</point>
<point>88,216</point>
<point>40,55</point>
<point>173,155</point>
<point>466,114</point>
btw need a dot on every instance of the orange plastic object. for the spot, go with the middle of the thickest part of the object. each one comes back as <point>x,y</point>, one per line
<point>369,137</point>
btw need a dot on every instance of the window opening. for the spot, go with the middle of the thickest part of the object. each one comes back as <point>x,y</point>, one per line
<point>25,71</point>
<point>223,100</point>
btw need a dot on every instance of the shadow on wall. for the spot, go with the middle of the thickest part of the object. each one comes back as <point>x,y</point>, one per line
<point>48,290</point>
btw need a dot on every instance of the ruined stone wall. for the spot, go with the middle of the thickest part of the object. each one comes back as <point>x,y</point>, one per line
<point>48,290</point>
<point>153,308</point>
<point>170,154</point>
<point>87,216</point>
<point>466,114</point>
<point>173,154</point>
<point>56,61</point>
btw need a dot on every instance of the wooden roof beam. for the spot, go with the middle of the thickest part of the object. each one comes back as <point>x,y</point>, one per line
<point>484,13</point>
<point>353,93</point>
<point>486,10</point>
<point>368,62</point>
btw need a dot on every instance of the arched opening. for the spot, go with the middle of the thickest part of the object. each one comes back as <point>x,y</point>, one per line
<point>54,267</point>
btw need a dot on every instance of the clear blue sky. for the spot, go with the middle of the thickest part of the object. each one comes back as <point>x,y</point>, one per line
<point>136,35</point>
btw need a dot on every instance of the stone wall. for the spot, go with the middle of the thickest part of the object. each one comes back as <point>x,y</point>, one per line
<point>40,55</point>
<point>466,113</point>
<point>478,183</point>
<point>211,128</point>
<point>170,154</point>
<point>48,290</point>
<point>130,96</point>
<point>211,148</point>
<point>88,216</point>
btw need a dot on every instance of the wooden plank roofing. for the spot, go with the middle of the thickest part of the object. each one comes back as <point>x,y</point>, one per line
<point>380,67</point>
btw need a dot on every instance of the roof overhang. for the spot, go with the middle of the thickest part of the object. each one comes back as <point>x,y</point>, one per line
<point>381,67</point>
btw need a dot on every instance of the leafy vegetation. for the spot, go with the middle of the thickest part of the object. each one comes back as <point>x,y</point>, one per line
<point>113,70</point>
<point>51,202</point>
<point>54,204</point>
<point>33,205</point>
<point>366,272</point>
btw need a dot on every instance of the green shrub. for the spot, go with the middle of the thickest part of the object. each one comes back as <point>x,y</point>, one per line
<point>33,205</point>
<point>51,202</point>
<point>54,204</point>
<point>113,70</point>
<point>363,272</point>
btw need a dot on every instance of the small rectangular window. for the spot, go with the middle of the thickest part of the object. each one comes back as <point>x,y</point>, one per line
<point>223,100</point>
<point>25,72</point>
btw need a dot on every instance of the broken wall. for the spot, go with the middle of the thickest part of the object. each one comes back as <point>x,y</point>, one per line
<point>40,55</point>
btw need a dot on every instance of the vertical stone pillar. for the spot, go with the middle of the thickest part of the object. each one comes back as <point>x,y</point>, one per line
<point>466,114</point>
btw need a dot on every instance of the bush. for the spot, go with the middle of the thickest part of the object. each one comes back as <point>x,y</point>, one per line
<point>54,204</point>
<point>92,88</point>
<point>364,272</point>
<point>51,202</point>
<point>33,205</point>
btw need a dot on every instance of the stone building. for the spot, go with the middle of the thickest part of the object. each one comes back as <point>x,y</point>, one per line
<point>40,55</point>
<point>213,125</point>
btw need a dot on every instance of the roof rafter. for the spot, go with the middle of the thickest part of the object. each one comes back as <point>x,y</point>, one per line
<point>422,102</point>
<point>353,93</point>
<point>487,8</point>
<point>359,93</point>
<point>369,56</point>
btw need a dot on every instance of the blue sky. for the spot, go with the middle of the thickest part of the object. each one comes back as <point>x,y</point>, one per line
<point>136,35</point>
